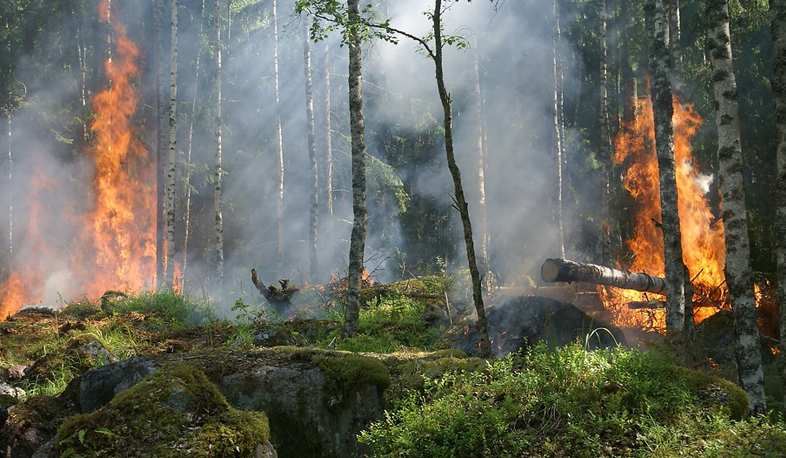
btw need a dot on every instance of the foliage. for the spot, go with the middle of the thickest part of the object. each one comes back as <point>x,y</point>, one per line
<point>390,321</point>
<point>565,403</point>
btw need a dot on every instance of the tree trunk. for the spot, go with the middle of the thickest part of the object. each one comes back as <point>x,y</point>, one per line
<point>778,29</point>
<point>557,141</point>
<point>329,157</point>
<point>485,262</point>
<point>563,270</point>
<point>169,260</point>
<point>739,274</point>
<point>217,178</point>
<point>656,12</point>
<point>360,223</point>
<point>10,156</point>
<point>279,147</point>
<point>605,136</point>
<point>676,48</point>
<point>461,202</point>
<point>161,142</point>
<point>189,150</point>
<point>312,155</point>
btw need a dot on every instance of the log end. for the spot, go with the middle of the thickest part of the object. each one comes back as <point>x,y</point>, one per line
<point>549,271</point>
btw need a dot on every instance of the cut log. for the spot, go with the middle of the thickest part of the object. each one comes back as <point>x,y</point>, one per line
<point>563,270</point>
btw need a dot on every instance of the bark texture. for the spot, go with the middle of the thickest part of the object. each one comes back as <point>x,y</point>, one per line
<point>557,153</point>
<point>739,275</point>
<point>563,270</point>
<point>161,142</point>
<point>219,172</point>
<point>169,260</point>
<point>360,223</point>
<point>778,29</point>
<point>279,147</point>
<point>657,18</point>
<point>312,156</point>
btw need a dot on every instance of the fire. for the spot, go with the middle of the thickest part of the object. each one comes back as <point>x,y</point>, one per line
<point>702,233</point>
<point>115,243</point>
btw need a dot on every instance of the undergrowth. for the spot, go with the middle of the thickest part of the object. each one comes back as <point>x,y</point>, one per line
<point>570,403</point>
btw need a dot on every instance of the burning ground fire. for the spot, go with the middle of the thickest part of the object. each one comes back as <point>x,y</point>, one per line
<point>114,245</point>
<point>702,234</point>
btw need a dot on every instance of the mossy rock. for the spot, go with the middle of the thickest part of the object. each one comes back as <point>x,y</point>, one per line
<point>716,392</point>
<point>346,371</point>
<point>175,412</point>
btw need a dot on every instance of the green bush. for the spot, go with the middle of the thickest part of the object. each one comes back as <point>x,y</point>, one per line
<point>565,403</point>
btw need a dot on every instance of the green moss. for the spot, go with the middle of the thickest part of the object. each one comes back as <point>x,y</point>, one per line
<point>175,412</point>
<point>716,391</point>
<point>345,371</point>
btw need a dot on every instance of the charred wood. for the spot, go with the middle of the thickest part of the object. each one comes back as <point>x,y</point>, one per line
<point>273,294</point>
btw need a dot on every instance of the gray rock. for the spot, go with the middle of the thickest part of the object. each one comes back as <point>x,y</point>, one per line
<point>8,390</point>
<point>99,386</point>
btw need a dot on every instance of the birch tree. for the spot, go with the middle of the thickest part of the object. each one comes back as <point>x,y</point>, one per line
<point>219,172</point>
<point>778,30</point>
<point>161,142</point>
<point>558,152</point>
<point>279,146</point>
<point>657,19</point>
<point>738,271</point>
<point>312,156</point>
<point>170,174</point>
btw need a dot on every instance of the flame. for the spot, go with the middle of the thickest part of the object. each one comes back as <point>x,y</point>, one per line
<point>115,245</point>
<point>703,242</point>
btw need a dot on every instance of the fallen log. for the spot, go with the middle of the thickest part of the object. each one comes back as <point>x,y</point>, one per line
<point>563,270</point>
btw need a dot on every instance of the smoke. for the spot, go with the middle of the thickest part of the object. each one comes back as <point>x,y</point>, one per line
<point>512,45</point>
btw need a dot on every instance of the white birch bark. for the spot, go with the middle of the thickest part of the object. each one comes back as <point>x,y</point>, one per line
<point>170,174</point>
<point>217,178</point>
<point>739,274</point>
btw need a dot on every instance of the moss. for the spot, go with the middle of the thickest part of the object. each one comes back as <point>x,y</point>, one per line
<point>716,392</point>
<point>175,412</point>
<point>345,371</point>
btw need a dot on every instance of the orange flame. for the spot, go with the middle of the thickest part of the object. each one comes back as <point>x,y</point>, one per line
<point>702,234</point>
<point>115,247</point>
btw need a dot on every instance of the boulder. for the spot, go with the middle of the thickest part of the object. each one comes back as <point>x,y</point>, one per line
<point>316,401</point>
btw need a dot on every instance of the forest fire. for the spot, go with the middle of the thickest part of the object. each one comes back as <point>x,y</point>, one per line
<point>702,233</point>
<point>114,242</point>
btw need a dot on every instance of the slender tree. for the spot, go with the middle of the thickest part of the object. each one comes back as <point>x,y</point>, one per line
<point>312,155</point>
<point>657,19</point>
<point>189,150</point>
<point>279,145</point>
<point>161,144</point>
<point>778,30</point>
<point>357,130</point>
<point>169,261</point>
<point>738,271</point>
<point>329,154</point>
<point>219,172</point>
<point>485,263</point>
<point>605,135</point>
<point>557,141</point>
<point>675,32</point>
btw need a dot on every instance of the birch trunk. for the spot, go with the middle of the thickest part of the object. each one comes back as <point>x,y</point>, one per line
<point>170,174</point>
<point>485,262</point>
<point>217,178</point>
<point>279,147</point>
<point>739,275</point>
<point>605,136</point>
<point>675,33</point>
<point>312,155</point>
<point>360,223</point>
<point>656,12</point>
<point>778,29</point>
<point>10,156</point>
<point>161,142</point>
<point>329,156</point>
<point>461,202</point>
<point>189,150</point>
<point>559,217</point>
